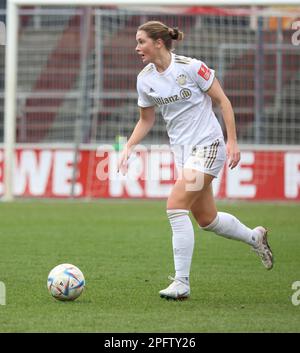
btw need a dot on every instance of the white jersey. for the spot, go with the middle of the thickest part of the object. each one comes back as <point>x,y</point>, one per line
<point>179,92</point>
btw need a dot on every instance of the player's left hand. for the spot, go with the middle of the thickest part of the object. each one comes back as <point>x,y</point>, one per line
<point>233,154</point>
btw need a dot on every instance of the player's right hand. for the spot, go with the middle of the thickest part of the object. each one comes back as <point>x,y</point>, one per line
<point>123,160</point>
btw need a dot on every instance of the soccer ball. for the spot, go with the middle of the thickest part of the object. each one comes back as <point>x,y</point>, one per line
<point>65,282</point>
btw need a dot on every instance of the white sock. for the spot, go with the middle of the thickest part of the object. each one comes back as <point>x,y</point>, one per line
<point>230,227</point>
<point>183,242</point>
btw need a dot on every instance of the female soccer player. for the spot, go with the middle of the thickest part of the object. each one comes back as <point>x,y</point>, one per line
<point>184,89</point>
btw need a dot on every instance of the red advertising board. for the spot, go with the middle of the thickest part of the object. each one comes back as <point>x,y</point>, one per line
<point>48,172</point>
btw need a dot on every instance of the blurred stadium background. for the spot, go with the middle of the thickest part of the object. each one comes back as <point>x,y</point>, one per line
<point>75,98</point>
<point>76,90</point>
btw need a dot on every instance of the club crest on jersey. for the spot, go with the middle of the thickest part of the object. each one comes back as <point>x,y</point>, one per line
<point>181,80</point>
<point>185,93</point>
<point>204,72</point>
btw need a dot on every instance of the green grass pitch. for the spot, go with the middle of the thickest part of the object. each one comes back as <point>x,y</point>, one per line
<point>124,251</point>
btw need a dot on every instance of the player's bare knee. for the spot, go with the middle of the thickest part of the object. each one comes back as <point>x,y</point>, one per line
<point>205,220</point>
<point>180,201</point>
<point>177,204</point>
<point>204,224</point>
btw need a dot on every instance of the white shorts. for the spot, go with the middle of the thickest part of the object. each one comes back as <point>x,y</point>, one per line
<point>208,159</point>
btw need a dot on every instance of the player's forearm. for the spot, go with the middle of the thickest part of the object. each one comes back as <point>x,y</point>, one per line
<point>229,120</point>
<point>140,131</point>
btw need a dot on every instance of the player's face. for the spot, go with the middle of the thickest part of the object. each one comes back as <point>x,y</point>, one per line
<point>146,47</point>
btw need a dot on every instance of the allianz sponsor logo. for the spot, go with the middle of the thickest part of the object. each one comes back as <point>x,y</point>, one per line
<point>184,94</point>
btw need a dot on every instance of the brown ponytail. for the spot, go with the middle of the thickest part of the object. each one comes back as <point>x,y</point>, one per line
<point>157,30</point>
<point>175,34</point>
